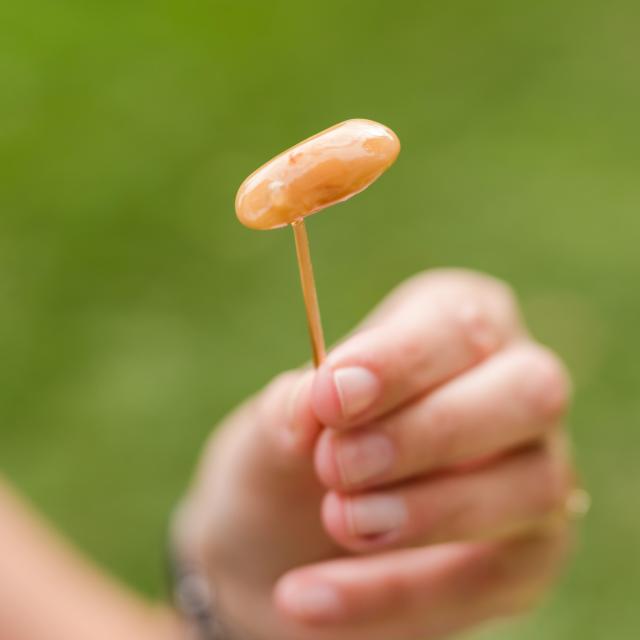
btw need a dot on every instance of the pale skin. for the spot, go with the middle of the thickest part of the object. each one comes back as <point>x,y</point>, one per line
<point>413,487</point>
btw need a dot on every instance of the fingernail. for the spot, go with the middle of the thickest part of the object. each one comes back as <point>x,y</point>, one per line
<point>318,601</point>
<point>357,388</point>
<point>363,457</point>
<point>374,515</point>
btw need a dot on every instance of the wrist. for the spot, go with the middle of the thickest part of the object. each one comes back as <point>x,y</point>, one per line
<point>193,588</point>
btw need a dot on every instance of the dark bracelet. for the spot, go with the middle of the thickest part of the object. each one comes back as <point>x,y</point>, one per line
<point>194,598</point>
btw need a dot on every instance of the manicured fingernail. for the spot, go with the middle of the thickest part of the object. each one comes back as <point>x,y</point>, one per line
<point>363,457</point>
<point>374,515</point>
<point>357,388</point>
<point>318,601</point>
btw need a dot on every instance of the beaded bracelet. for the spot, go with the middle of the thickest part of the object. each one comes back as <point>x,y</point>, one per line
<point>194,599</point>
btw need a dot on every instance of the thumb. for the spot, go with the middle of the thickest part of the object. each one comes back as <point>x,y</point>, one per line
<point>258,459</point>
<point>282,419</point>
<point>265,445</point>
<point>271,436</point>
<point>256,472</point>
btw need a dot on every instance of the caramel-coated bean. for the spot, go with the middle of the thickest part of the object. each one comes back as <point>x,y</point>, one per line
<point>327,168</point>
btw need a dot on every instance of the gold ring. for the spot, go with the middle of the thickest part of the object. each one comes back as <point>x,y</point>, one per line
<point>578,504</point>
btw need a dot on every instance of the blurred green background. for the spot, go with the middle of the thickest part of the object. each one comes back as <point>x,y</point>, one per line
<point>135,310</point>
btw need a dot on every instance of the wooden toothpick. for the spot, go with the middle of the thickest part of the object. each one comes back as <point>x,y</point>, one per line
<point>309,292</point>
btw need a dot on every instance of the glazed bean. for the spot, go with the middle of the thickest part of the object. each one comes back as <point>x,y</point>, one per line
<point>327,168</point>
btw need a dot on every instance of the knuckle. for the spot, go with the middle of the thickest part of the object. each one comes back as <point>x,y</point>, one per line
<point>502,304</point>
<point>428,277</point>
<point>501,291</point>
<point>484,309</point>
<point>476,326</point>
<point>458,282</point>
<point>452,275</point>
<point>464,280</point>
<point>548,389</point>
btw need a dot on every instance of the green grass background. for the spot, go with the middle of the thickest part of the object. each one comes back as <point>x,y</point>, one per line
<point>135,310</point>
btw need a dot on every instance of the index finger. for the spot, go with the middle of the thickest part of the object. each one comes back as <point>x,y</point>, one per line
<point>432,328</point>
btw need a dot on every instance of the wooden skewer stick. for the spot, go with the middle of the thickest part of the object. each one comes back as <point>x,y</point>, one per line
<point>309,292</point>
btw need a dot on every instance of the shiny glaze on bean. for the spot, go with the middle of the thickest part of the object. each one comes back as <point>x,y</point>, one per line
<point>325,169</point>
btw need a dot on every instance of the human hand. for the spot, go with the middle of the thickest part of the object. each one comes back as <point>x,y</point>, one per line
<point>433,501</point>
